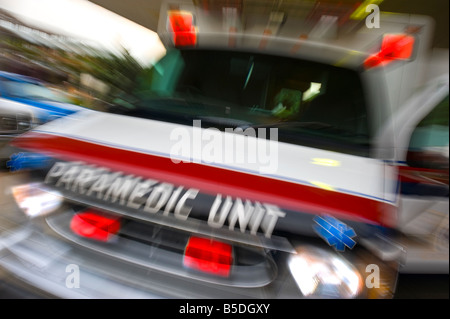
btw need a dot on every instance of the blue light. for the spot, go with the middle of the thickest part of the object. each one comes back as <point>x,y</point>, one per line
<point>335,232</point>
<point>20,161</point>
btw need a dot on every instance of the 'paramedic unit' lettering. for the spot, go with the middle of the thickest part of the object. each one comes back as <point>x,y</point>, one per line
<point>153,197</point>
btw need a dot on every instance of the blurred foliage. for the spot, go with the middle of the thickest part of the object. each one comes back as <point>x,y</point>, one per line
<point>64,68</point>
<point>121,72</point>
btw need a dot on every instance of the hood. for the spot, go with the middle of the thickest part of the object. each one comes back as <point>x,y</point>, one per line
<point>303,179</point>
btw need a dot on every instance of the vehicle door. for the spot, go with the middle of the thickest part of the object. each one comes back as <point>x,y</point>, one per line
<point>423,162</point>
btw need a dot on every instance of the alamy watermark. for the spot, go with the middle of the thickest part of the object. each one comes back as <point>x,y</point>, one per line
<point>235,146</point>
<point>73,278</point>
<point>373,278</point>
<point>373,19</point>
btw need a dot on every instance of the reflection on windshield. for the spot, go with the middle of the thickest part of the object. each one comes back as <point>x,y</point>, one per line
<point>310,103</point>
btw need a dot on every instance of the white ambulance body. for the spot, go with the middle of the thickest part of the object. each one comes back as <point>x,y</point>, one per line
<point>273,159</point>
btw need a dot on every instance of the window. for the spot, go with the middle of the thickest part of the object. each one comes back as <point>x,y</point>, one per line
<point>310,103</point>
<point>429,144</point>
<point>428,154</point>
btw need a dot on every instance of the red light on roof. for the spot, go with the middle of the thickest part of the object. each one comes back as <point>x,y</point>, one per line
<point>394,47</point>
<point>209,256</point>
<point>182,25</point>
<point>95,225</point>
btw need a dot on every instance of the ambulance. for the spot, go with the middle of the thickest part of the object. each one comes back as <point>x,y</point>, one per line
<point>265,158</point>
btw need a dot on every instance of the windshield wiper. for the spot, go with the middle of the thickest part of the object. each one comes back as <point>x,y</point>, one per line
<point>312,126</point>
<point>224,122</point>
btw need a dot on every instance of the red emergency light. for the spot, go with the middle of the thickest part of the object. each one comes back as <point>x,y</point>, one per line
<point>182,26</point>
<point>393,47</point>
<point>209,256</point>
<point>95,225</point>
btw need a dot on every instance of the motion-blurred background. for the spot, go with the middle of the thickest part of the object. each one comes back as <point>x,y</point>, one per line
<point>91,53</point>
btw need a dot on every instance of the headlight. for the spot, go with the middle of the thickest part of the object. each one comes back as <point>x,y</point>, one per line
<point>322,274</point>
<point>34,199</point>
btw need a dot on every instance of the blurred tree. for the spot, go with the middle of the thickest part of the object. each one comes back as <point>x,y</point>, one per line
<point>121,72</point>
<point>65,64</point>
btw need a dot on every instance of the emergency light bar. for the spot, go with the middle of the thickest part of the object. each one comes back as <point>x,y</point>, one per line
<point>393,47</point>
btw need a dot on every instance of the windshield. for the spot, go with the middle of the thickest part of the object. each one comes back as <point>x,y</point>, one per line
<point>310,103</point>
<point>31,91</point>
